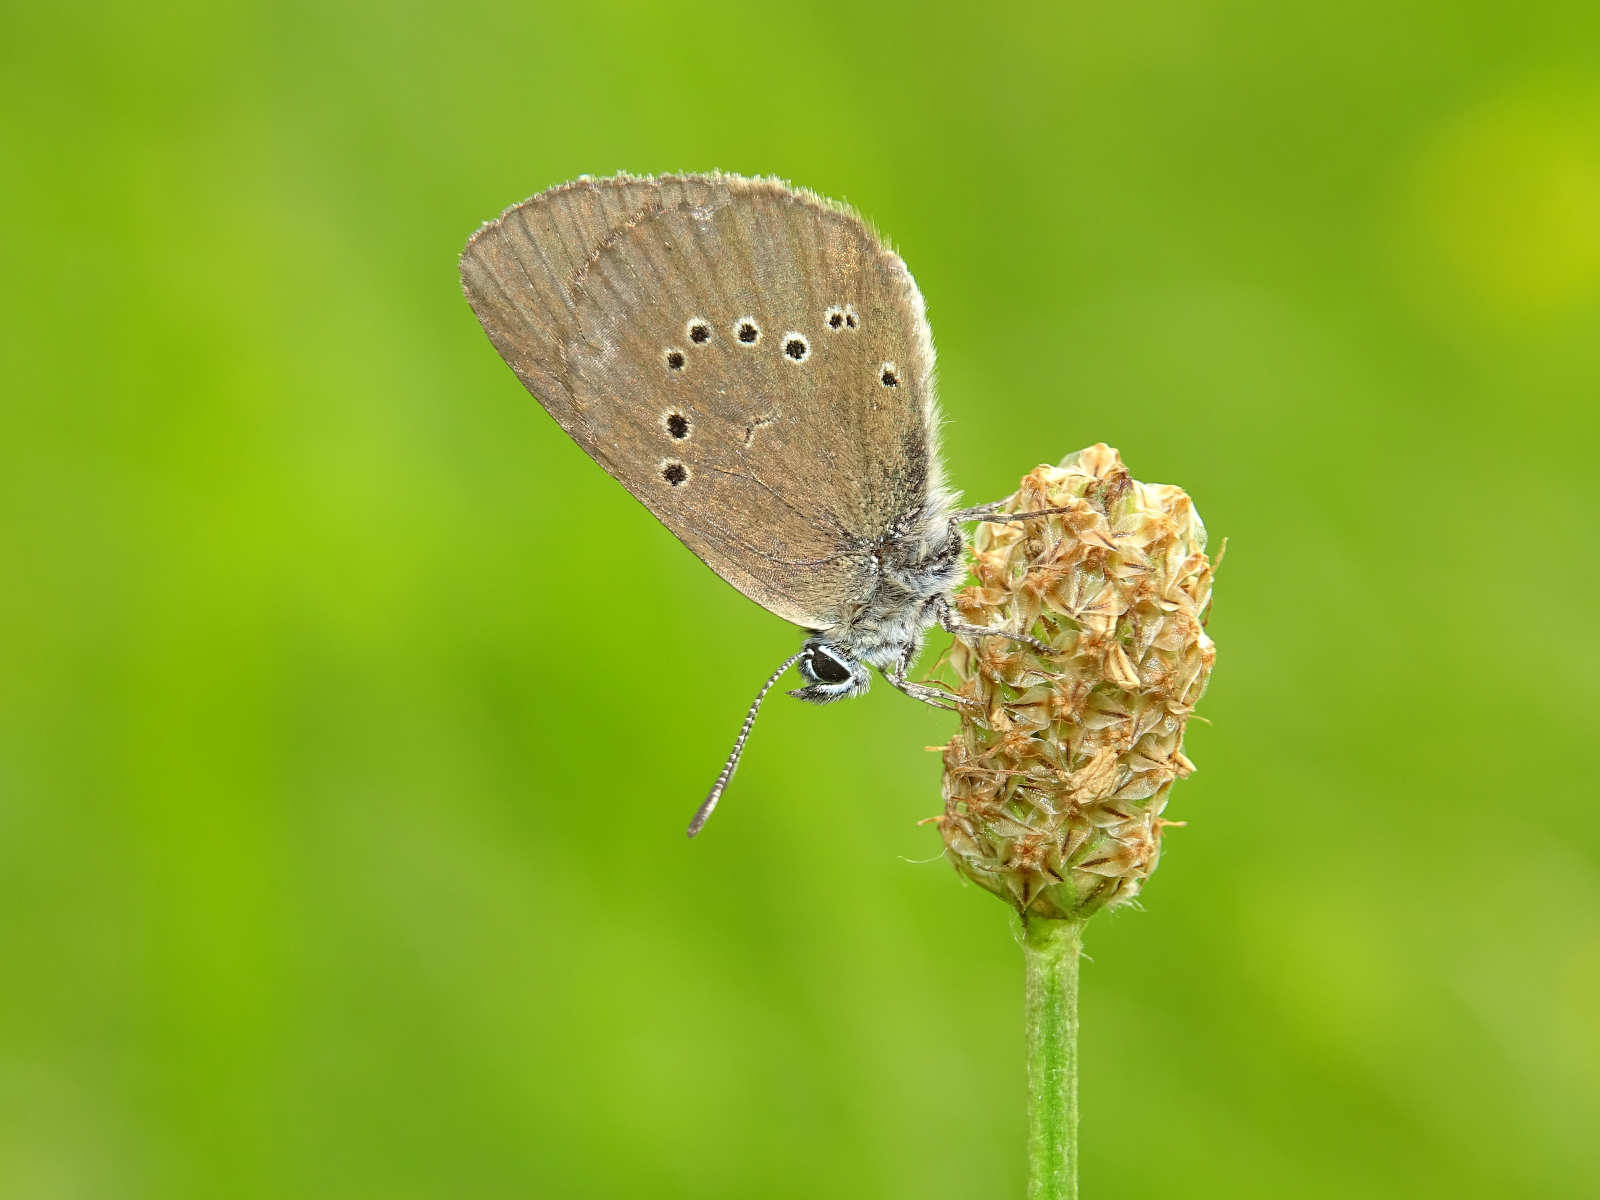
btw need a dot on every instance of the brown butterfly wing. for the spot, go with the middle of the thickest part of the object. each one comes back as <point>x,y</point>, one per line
<point>779,461</point>
<point>519,272</point>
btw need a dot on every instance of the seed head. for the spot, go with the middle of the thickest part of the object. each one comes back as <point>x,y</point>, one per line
<point>1055,783</point>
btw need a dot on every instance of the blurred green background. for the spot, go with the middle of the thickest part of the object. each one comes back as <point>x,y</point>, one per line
<point>350,717</point>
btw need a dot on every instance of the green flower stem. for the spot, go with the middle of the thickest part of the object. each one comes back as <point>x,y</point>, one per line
<point>1051,950</point>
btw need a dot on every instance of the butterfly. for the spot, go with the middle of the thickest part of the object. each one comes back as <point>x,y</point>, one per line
<point>755,366</point>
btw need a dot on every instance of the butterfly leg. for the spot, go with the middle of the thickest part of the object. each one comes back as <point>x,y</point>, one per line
<point>935,697</point>
<point>948,622</point>
<point>991,512</point>
<point>931,696</point>
<point>978,512</point>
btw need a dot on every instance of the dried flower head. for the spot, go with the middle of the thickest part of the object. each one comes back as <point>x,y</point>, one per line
<point>1055,783</point>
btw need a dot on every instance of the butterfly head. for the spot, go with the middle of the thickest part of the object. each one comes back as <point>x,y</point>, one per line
<point>831,673</point>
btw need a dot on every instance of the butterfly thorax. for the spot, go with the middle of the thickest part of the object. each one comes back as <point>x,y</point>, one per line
<point>914,568</point>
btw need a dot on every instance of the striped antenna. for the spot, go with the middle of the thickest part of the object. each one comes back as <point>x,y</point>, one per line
<point>703,814</point>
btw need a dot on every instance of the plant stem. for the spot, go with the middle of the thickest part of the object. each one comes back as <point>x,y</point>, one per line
<point>1051,949</point>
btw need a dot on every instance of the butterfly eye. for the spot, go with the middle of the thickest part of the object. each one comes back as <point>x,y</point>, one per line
<point>699,332</point>
<point>747,331</point>
<point>675,359</point>
<point>796,347</point>
<point>826,668</point>
<point>677,425</point>
<point>675,473</point>
<point>890,377</point>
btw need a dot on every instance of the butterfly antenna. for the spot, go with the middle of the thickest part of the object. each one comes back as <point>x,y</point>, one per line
<point>703,813</point>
